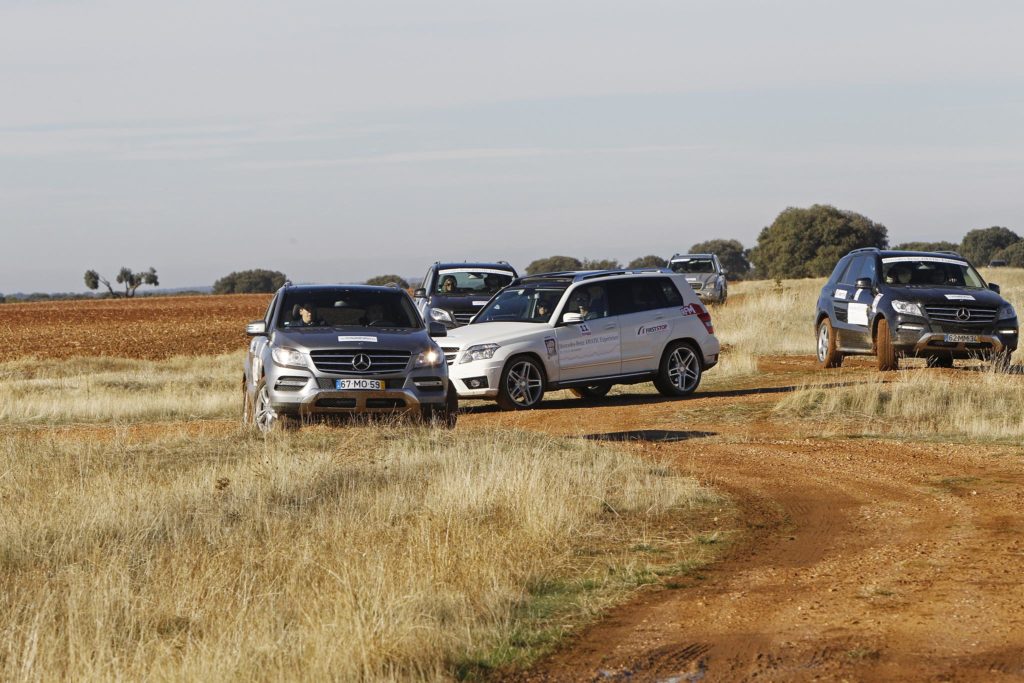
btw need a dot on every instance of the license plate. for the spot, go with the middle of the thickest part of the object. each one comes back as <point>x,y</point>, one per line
<point>962,338</point>
<point>359,384</point>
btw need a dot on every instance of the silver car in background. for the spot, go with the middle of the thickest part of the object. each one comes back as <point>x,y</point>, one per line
<point>705,275</point>
<point>343,349</point>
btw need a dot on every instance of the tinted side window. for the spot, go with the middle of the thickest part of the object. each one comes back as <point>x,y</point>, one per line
<point>866,268</point>
<point>672,295</point>
<point>840,268</point>
<point>270,311</point>
<point>849,276</point>
<point>636,295</point>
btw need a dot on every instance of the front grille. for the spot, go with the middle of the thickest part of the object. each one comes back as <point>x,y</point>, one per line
<point>288,383</point>
<point>385,403</point>
<point>336,403</point>
<point>961,315</point>
<point>950,328</point>
<point>340,362</point>
<point>450,352</point>
<point>463,317</point>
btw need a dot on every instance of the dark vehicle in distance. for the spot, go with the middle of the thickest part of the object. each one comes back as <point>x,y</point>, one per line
<point>343,349</point>
<point>452,293</point>
<point>893,304</point>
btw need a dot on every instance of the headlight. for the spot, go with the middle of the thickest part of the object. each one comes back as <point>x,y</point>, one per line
<point>286,356</point>
<point>430,358</point>
<point>907,308</point>
<point>1006,311</point>
<point>440,315</point>
<point>479,352</point>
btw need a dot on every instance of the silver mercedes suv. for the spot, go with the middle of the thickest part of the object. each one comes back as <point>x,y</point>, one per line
<point>343,349</point>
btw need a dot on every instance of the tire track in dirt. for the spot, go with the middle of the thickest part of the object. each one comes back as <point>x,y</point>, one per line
<point>860,559</point>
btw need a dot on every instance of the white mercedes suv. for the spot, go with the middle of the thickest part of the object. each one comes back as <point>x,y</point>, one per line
<point>583,331</point>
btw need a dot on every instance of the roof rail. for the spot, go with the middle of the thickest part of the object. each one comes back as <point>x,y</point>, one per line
<point>863,249</point>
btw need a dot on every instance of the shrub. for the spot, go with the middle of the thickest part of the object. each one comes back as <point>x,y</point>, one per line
<point>250,281</point>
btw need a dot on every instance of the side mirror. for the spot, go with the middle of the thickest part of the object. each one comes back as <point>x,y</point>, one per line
<point>570,318</point>
<point>437,330</point>
<point>257,328</point>
<point>994,287</point>
<point>420,293</point>
<point>865,283</point>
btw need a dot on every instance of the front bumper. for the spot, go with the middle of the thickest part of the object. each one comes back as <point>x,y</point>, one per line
<point>917,339</point>
<point>317,396</point>
<point>478,379</point>
<point>713,296</point>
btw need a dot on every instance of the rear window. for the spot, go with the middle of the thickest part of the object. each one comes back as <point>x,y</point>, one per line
<point>347,308</point>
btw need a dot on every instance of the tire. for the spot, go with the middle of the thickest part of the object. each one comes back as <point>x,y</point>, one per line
<point>521,386</point>
<point>592,390</point>
<point>939,361</point>
<point>444,416</point>
<point>828,355</point>
<point>680,370</point>
<point>265,418</point>
<point>887,358</point>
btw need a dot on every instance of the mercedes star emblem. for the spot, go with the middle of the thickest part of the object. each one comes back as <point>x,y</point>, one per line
<point>361,362</point>
<point>963,314</point>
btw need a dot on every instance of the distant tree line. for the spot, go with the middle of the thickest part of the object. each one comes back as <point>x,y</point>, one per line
<point>255,281</point>
<point>800,242</point>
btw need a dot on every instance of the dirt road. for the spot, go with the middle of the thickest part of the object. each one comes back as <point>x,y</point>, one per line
<point>861,559</point>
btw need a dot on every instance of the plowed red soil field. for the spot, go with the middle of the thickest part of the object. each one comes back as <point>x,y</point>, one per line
<point>141,327</point>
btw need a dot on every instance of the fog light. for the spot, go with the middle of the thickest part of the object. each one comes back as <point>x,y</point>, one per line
<point>1007,331</point>
<point>476,382</point>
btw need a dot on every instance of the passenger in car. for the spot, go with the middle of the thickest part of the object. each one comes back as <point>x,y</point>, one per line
<point>447,285</point>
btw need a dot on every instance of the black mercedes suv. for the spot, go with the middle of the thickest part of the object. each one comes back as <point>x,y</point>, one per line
<point>931,305</point>
<point>452,293</point>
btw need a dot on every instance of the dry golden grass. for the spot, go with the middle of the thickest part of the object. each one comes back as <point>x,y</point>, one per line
<point>979,406</point>
<point>89,390</point>
<point>373,552</point>
<point>761,318</point>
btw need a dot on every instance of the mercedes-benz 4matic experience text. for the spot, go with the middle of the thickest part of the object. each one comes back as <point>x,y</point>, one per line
<point>452,293</point>
<point>584,331</point>
<point>343,349</point>
<point>931,305</point>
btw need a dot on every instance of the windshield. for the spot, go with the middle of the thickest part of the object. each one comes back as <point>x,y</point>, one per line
<point>925,271</point>
<point>527,304</point>
<point>475,282</point>
<point>347,308</point>
<point>693,265</point>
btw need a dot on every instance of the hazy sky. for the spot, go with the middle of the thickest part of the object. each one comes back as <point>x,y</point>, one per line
<point>339,140</point>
